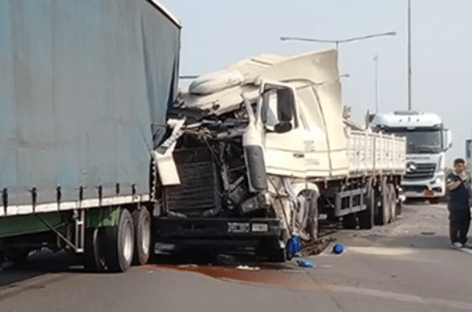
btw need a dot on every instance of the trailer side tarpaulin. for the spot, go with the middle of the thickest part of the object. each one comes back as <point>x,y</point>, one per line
<point>83,86</point>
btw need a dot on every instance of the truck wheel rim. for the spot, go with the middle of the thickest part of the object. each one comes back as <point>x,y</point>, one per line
<point>146,237</point>
<point>386,209</point>
<point>128,242</point>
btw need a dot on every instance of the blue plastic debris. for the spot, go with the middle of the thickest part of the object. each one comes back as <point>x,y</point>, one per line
<point>338,248</point>
<point>294,245</point>
<point>306,263</point>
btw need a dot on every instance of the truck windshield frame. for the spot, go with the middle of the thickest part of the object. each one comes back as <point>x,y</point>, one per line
<point>421,140</point>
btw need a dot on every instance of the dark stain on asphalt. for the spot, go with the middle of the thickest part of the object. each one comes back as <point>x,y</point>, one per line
<point>293,279</point>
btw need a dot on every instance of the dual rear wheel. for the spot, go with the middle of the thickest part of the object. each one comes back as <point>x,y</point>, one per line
<point>382,208</point>
<point>388,208</point>
<point>116,248</point>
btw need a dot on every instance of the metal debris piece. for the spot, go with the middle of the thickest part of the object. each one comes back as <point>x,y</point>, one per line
<point>247,268</point>
<point>306,263</point>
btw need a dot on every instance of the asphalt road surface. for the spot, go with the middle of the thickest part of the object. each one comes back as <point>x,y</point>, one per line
<point>405,266</point>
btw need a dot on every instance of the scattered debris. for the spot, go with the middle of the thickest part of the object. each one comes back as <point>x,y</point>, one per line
<point>338,248</point>
<point>247,268</point>
<point>315,248</point>
<point>188,266</point>
<point>294,245</point>
<point>428,233</point>
<point>306,263</point>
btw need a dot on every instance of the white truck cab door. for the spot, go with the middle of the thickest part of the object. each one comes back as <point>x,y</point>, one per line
<point>283,133</point>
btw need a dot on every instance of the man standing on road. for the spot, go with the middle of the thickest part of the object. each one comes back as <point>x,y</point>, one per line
<point>459,210</point>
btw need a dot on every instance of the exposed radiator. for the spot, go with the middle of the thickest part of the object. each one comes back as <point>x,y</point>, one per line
<point>199,186</point>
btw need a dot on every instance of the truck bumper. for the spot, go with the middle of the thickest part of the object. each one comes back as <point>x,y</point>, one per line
<point>173,235</point>
<point>425,189</point>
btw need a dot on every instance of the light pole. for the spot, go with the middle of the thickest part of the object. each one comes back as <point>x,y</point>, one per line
<point>377,91</point>
<point>337,42</point>
<point>409,55</point>
<point>348,40</point>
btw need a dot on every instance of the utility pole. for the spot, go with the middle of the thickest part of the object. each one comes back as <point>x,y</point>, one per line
<point>409,55</point>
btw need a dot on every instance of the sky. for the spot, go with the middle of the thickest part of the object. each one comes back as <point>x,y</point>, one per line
<point>217,33</point>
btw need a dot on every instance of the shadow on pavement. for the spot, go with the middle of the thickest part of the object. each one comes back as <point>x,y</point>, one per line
<point>36,265</point>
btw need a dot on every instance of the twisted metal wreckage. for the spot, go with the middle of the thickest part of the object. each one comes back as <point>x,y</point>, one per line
<point>268,137</point>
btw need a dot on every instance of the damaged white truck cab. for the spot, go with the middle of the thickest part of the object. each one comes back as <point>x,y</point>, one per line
<point>255,164</point>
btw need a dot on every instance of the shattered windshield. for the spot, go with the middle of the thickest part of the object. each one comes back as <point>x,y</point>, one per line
<point>421,141</point>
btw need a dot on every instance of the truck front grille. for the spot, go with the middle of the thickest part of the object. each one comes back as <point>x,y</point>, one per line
<point>422,172</point>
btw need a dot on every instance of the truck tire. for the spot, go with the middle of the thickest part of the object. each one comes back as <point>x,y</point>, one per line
<point>142,233</point>
<point>269,250</point>
<point>399,208</point>
<point>120,243</point>
<point>93,255</point>
<point>383,215</point>
<point>434,201</point>
<point>366,217</point>
<point>17,255</point>
<point>313,226</point>
<point>392,203</point>
<point>349,222</point>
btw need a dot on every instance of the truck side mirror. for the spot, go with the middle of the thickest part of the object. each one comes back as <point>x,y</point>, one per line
<point>447,139</point>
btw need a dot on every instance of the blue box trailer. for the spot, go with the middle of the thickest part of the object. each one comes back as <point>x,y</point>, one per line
<point>84,90</point>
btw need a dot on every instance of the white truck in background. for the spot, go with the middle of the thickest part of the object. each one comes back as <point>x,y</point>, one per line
<point>258,152</point>
<point>428,142</point>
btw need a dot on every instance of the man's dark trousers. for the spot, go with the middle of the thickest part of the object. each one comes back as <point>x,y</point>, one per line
<point>459,222</point>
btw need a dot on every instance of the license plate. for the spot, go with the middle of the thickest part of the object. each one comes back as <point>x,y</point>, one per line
<point>260,227</point>
<point>428,193</point>
<point>234,227</point>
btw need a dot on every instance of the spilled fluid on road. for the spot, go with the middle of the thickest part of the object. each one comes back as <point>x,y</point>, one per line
<point>268,275</point>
